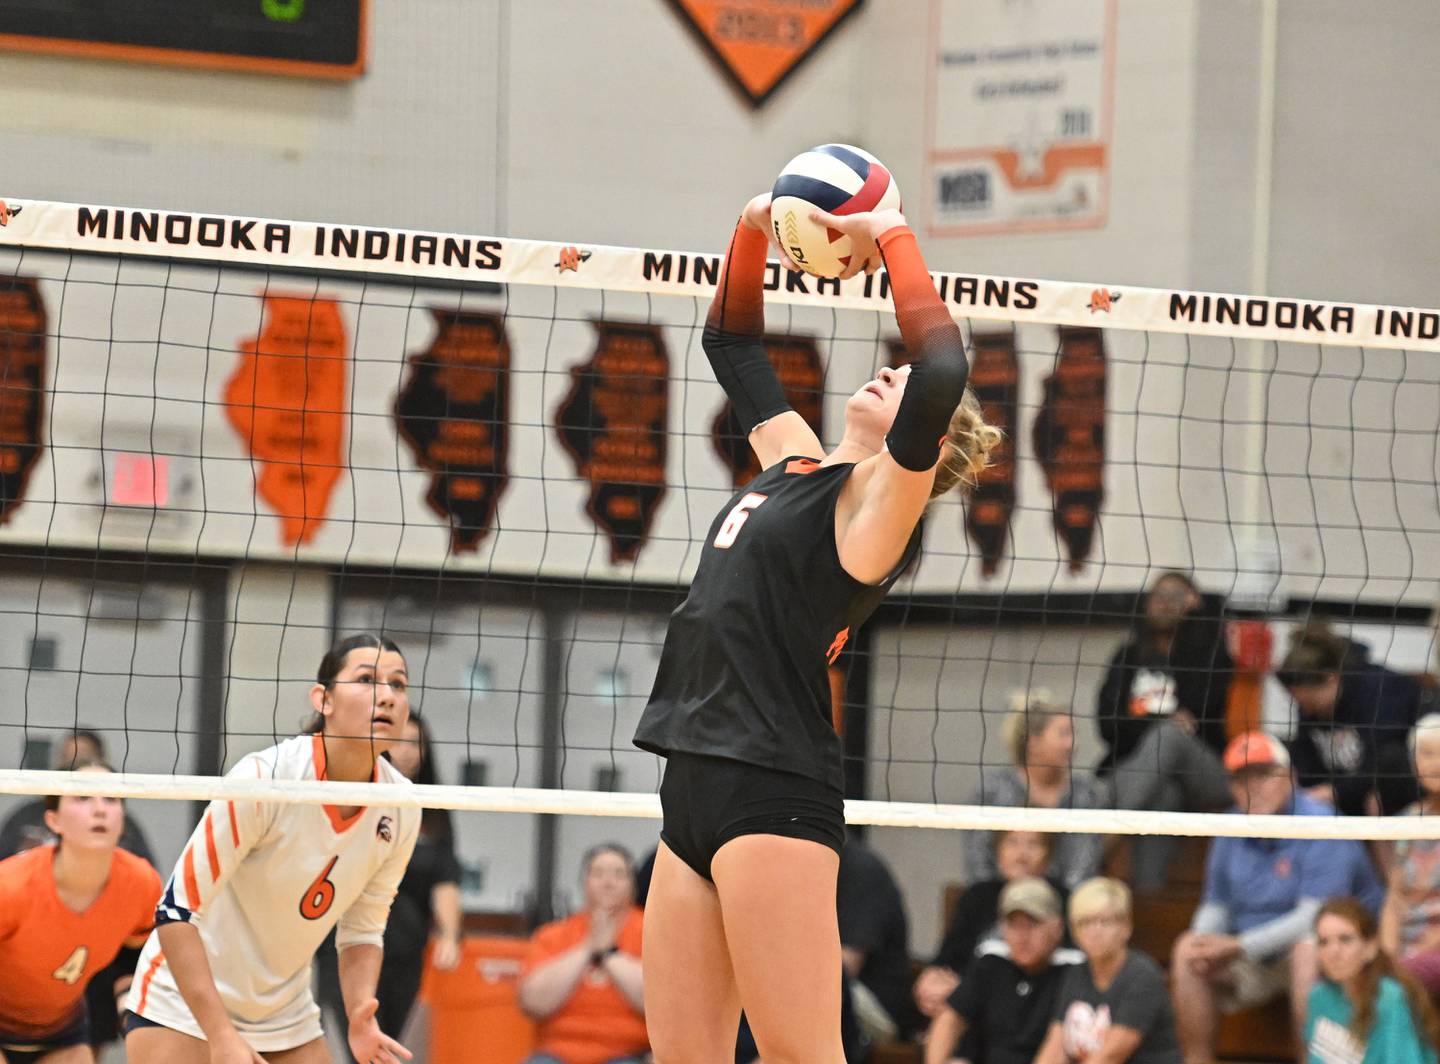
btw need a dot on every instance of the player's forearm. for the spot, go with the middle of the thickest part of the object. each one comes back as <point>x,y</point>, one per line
<point>549,986</point>
<point>944,1036</point>
<point>739,305</point>
<point>359,973</point>
<point>625,972</point>
<point>185,952</point>
<point>445,903</point>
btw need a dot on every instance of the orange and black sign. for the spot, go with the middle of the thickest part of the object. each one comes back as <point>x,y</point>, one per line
<point>287,401</point>
<point>995,380</point>
<point>613,425</point>
<point>1069,439</point>
<point>760,43</point>
<point>454,413</point>
<point>797,364</point>
<point>22,387</point>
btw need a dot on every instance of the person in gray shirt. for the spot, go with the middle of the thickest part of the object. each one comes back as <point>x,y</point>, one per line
<point>1115,1006</point>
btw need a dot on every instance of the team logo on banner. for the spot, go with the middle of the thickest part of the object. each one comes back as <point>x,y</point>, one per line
<point>22,387</point>
<point>1069,437</point>
<point>995,380</point>
<point>613,425</point>
<point>287,401</point>
<point>760,43</point>
<point>454,413</point>
<point>797,364</point>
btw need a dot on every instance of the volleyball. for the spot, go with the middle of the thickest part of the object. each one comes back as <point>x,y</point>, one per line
<point>839,179</point>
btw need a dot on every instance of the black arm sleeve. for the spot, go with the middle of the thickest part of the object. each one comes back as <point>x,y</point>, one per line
<point>735,329</point>
<point>743,369</point>
<point>939,368</point>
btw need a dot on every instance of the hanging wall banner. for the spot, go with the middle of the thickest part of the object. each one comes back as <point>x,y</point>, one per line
<point>1019,108</point>
<point>760,43</point>
<point>22,387</point>
<point>995,380</point>
<point>454,413</point>
<point>287,401</point>
<point>797,364</point>
<point>613,423</point>
<point>1069,439</point>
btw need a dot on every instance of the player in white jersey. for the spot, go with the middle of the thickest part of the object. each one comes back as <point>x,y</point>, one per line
<point>225,976</point>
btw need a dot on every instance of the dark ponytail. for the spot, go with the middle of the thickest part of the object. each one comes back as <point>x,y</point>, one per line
<point>334,661</point>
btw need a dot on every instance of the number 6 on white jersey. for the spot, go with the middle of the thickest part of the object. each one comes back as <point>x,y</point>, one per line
<point>735,519</point>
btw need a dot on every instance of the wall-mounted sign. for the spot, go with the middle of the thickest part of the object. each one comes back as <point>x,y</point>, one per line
<point>306,38</point>
<point>287,401</point>
<point>22,387</point>
<point>1019,106</point>
<point>760,43</point>
<point>1069,439</point>
<point>797,364</point>
<point>613,423</point>
<point>454,413</point>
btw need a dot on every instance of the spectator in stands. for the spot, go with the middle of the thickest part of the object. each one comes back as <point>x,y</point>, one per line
<point>974,929</point>
<point>24,829</point>
<point>581,981</point>
<point>1410,921</point>
<point>425,912</point>
<point>1365,1010</point>
<point>874,943</point>
<point>1005,1004</point>
<point>1114,1007</point>
<point>1040,736</point>
<point>1161,715</point>
<point>1250,940</point>
<point>1349,746</point>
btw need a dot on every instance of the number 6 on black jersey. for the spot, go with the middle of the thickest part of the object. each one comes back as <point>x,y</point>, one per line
<point>736,518</point>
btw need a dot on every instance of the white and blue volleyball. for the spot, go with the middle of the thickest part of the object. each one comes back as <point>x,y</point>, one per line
<point>839,179</point>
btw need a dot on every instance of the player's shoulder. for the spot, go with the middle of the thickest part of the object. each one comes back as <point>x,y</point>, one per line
<point>294,758</point>
<point>135,873</point>
<point>19,872</point>
<point>385,772</point>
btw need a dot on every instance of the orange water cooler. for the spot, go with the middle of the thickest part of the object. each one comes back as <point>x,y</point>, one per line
<point>475,1015</point>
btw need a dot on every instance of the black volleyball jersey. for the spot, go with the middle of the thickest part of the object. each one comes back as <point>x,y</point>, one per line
<point>743,674</point>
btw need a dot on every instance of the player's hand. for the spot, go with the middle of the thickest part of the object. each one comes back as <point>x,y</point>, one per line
<point>370,1045</point>
<point>445,954</point>
<point>756,215</point>
<point>232,1049</point>
<point>863,229</point>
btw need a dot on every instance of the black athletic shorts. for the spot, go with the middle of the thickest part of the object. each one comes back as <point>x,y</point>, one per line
<point>707,801</point>
<point>19,1049</point>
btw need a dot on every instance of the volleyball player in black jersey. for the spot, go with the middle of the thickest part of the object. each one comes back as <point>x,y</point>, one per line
<point>741,910</point>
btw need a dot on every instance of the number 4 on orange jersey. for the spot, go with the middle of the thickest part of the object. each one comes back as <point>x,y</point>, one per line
<point>736,518</point>
<point>70,972</point>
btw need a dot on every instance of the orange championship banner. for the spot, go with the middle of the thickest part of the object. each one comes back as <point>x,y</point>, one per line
<point>287,401</point>
<point>760,43</point>
<point>22,385</point>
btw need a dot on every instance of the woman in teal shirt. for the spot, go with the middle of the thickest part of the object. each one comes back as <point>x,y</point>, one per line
<point>1365,1010</point>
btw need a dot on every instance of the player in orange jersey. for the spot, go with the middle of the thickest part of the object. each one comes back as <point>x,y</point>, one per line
<point>66,911</point>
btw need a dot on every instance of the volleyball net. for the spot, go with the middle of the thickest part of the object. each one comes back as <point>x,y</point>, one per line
<point>225,441</point>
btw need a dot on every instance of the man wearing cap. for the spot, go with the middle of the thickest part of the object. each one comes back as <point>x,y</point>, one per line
<point>1250,939</point>
<point>1007,997</point>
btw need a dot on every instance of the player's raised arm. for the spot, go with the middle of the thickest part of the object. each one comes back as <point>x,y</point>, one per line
<point>733,343</point>
<point>936,435</point>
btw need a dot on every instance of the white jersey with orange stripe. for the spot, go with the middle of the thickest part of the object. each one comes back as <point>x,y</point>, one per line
<point>264,884</point>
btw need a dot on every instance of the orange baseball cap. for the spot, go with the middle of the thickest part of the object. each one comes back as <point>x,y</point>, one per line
<point>1255,750</point>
